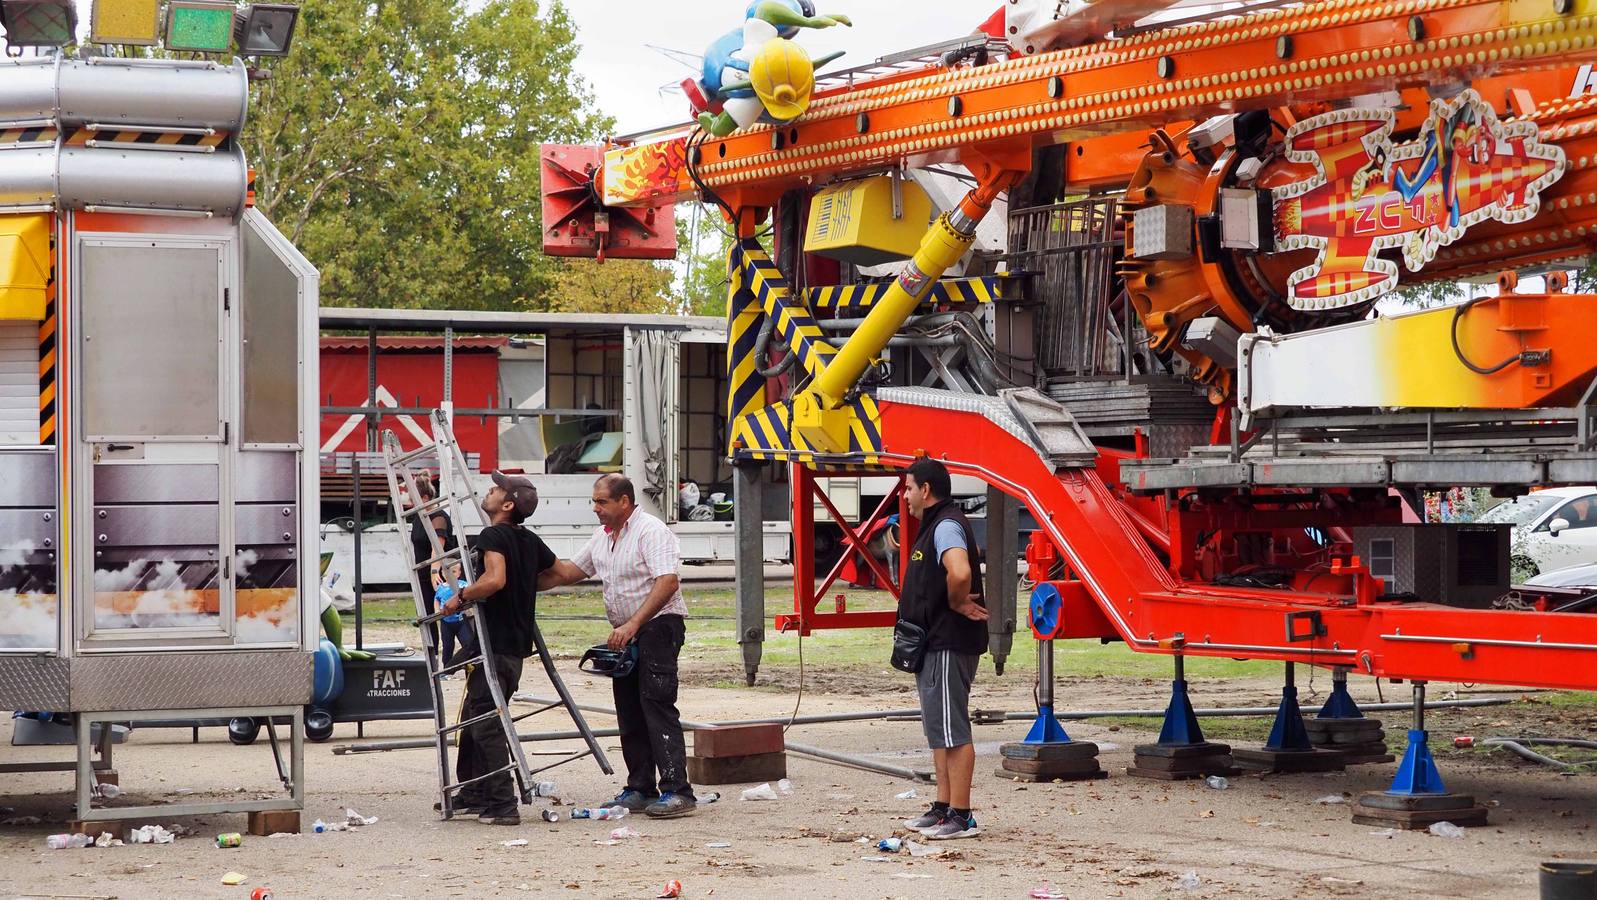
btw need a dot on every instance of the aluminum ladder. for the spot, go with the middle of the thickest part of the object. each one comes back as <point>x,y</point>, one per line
<point>456,496</point>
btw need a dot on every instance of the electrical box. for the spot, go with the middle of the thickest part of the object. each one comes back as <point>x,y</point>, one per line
<point>24,265</point>
<point>1454,564</point>
<point>868,222</point>
<point>1162,231</point>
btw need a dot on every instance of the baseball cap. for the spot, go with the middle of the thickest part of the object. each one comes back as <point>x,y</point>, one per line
<point>520,490</point>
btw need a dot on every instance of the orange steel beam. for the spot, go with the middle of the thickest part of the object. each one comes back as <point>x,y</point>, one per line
<point>1108,161</point>
<point>1318,52</point>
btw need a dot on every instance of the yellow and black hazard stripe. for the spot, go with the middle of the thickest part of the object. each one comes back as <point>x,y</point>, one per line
<point>768,433</point>
<point>745,387</point>
<point>859,298</point>
<point>47,357</point>
<point>37,135</point>
<point>795,325</point>
<point>78,137</point>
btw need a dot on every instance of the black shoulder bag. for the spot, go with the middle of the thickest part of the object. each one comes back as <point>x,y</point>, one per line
<point>909,646</point>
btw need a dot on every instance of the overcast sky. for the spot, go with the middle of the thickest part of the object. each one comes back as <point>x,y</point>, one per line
<point>626,75</point>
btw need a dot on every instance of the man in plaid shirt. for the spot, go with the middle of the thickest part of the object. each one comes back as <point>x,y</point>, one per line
<point>636,557</point>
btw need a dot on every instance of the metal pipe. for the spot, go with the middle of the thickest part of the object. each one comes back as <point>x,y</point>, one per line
<point>914,714</point>
<point>860,762</point>
<point>1045,673</point>
<point>360,616</point>
<point>1517,745</point>
<point>1419,706</point>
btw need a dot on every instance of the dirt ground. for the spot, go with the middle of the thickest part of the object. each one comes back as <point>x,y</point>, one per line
<point>1121,837</point>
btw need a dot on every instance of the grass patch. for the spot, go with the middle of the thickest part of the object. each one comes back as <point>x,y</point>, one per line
<point>1567,698</point>
<point>573,621</point>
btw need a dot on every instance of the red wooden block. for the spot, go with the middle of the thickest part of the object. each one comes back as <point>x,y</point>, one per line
<point>738,740</point>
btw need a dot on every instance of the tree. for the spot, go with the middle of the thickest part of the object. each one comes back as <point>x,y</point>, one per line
<point>1430,294</point>
<point>613,286</point>
<point>703,250</point>
<point>397,145</point>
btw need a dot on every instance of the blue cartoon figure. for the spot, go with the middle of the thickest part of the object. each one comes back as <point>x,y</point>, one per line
<point>1445,141</point>
<point>757,71</point>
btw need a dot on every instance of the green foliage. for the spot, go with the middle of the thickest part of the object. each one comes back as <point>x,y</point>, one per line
<point>613,286</point>
<point>1430,294</point>
<point>397,146</point>
<point>703,251</point>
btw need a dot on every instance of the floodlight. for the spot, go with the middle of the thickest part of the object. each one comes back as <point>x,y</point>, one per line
<point>265,29</point>
<point>132,22</point>
<point>39,23</point>
<point>199,26</point>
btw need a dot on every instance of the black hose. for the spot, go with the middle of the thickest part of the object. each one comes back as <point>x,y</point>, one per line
<point>1458,313</point>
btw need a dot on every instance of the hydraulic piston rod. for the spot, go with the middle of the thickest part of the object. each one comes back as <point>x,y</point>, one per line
<point>817,412</point>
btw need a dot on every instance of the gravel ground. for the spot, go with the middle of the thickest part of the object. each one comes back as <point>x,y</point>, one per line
<point>1122,837</point>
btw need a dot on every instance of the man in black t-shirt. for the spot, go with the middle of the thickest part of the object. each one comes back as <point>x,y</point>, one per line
<point>506,595</point>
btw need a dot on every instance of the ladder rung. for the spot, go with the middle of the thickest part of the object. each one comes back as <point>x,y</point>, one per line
<point>447,554</point>
<point>467,723</point>
<point>435,503</point>
<point>457,666</point>
<point>409,455</point>
<point>469,781</point>
<point>437,616</point>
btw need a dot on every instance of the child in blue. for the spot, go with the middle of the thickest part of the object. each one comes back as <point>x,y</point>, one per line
<point>449,627</point>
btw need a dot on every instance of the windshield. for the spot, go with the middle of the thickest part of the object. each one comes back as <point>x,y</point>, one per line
<point>1521,509</point>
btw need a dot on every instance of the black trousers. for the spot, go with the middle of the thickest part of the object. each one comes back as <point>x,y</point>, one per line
<point>482,746</point>
<point>646,711</point>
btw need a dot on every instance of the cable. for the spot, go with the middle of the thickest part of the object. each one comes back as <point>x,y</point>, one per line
<point>800,698</point>
<point>1458,313</point>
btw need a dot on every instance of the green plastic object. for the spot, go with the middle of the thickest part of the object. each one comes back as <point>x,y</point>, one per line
<point>604,453</point>
<point>199,27</point>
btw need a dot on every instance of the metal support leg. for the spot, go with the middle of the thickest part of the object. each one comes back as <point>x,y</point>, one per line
<point>1180,720</point>
<point>85,772</point>
<point>1417,773</point>
<point>1001,582</point>
<point>1340,704</point>
<point>748,488</point>
<point>1288,732</point>
<point>1046,729</point>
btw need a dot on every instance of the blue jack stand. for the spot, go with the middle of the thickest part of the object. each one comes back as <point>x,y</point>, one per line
<point>1181,752</point>
<point>1340,704</point>
<point>1341,726</point>
<point>1045,729</point>
<point>1048,753</point>
<point>1417,798</point>
<point>1288,748</point>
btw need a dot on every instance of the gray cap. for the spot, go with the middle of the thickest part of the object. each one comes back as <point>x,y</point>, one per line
<point>520,490</point>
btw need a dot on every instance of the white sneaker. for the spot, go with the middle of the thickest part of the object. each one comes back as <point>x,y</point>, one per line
<point>954,827</point>
<point>926,822</point>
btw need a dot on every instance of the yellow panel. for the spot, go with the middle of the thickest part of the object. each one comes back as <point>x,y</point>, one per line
<point>854,221</point>
<point>125,22</point>
<point>24,265</point>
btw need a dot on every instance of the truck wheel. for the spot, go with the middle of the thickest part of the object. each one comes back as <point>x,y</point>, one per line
<point>318,725</point>
<point>243,730</point>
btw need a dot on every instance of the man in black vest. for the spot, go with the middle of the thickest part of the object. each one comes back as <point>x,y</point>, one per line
<point>937,596</point>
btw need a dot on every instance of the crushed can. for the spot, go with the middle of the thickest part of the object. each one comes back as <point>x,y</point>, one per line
<point>550,815</point>
<point>673,888</point>
<point>230,839</point>
<point>261,893</point>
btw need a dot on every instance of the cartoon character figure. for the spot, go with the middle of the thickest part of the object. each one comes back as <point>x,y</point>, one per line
<point>757,71</point>
<point>1445,140</point>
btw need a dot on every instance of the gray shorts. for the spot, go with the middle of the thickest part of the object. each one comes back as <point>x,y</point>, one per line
<point>944,687</point>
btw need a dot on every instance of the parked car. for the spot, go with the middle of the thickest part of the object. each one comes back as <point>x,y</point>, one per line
<point>1583,576</point>
<point>1553,529</point>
